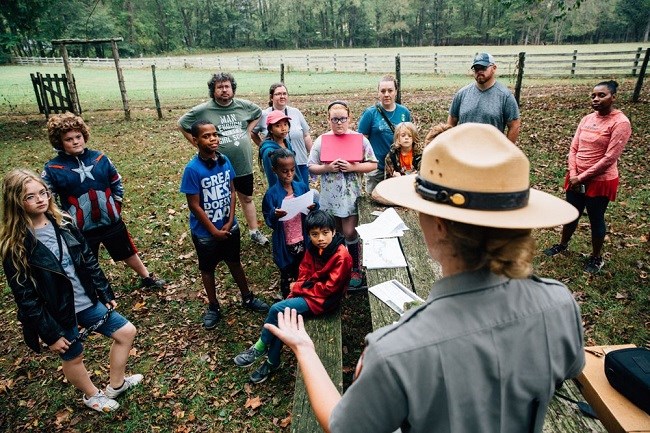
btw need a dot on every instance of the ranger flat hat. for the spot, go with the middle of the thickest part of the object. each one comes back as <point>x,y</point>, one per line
<point>473,174</point>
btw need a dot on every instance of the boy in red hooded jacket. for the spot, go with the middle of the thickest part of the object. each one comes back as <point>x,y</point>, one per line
<point>323,279</point>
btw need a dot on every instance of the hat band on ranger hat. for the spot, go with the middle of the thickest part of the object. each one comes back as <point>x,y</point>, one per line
<point>470,199</point>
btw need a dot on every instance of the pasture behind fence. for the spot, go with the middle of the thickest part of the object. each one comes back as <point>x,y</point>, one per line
<point>560,64</point>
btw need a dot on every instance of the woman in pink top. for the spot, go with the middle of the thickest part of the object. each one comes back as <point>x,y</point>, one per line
<point>592,180</point>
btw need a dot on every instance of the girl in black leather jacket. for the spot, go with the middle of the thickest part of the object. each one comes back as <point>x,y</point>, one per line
<point>57,284</point>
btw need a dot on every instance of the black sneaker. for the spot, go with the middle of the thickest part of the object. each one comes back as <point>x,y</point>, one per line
<point>555,249</point>
<point>594,264</point>
<point>153,282</point>
<point>255,304</point>
<point>211,318</point>
<point>262,373</point>
<point>248,357</point>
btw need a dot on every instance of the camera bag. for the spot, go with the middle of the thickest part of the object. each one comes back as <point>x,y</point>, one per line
<point>628,371</point>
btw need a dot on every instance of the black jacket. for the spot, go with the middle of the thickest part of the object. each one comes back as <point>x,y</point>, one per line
<point>46,301</point>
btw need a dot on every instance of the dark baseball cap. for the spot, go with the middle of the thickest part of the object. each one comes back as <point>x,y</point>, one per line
<point>483,59</point>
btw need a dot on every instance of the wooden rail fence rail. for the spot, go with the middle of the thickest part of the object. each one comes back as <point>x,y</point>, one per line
<point>626,63</point>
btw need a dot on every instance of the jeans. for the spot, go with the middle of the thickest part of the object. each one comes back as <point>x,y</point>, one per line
<point>275,344</point>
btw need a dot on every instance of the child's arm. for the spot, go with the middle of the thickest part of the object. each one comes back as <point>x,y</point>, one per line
<point>357,167</point>
<point>328,281</point>
<point>117,188</point>
<point>271,211</point>
<point>389,168</point>
<point>332,167</point>
<point>194,203</point>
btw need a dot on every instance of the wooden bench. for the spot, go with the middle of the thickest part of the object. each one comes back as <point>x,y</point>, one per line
<point>325,331</point>
<point>421,272</point>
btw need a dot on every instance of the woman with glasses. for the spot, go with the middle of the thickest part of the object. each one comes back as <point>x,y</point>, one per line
<point>57,284</point>
<point>299,136</point>
<point>340,181</point>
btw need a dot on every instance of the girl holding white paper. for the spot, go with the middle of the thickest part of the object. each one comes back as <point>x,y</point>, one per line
<point>288,240</point>
<point>340,182</point>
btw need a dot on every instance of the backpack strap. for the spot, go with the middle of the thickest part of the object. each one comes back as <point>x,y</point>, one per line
<point>383,114</point>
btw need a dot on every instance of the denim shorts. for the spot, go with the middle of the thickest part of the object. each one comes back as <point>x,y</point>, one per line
<point>89,317</point>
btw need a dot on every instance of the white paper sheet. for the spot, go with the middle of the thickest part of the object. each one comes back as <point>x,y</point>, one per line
<point>296,205</point>
<point>386,225</point>
<point>394,294</point>
<point>383,253</point>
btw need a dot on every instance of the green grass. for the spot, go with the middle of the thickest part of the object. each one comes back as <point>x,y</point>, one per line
<point>191,383</point>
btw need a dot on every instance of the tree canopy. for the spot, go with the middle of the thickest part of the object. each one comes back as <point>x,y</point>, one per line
<point>168,26</point>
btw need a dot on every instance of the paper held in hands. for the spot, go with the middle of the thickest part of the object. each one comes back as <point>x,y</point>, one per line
<point>296,205</point>
<point>396,296</point>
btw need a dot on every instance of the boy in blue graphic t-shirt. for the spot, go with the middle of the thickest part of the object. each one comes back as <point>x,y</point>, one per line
<point>208,185</point>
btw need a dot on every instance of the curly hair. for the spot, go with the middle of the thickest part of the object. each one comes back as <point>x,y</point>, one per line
<point>507,252</point>
<point>59,124</point>
<point>16,221</point>
<point>435,131</point>
<point>413,131</point>
<point>221,77</point>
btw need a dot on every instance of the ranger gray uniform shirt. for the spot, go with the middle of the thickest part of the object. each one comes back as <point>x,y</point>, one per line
<point>472,359</point>
<point>494,106</point>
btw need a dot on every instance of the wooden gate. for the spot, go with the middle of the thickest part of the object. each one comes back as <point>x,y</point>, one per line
<point>52,94</point>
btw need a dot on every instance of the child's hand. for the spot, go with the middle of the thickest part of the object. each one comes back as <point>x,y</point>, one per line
<point>60,346</point>
<point>333,166</point>
<point>397,174</point>
<point>279,213</point>
<point>345,166</point>
<point>291,330</point>
<point>221,235</point>
<point>312,206</point>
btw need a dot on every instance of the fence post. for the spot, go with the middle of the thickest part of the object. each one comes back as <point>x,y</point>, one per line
<point>398,77</point>
<point>639,81</point>
<point>334,62</point>
<point>636,61</point>
<point>307,62</point>
<point>282,72</point>
<point>365,62</point>
<point>520,75</point>
<point>574,62</point>
<point>155,92</point>
<point>120,80</point>
<point>435,63</point>
<point>76,107</point>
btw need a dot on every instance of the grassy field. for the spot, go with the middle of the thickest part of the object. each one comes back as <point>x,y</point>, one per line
<point>191,383</point>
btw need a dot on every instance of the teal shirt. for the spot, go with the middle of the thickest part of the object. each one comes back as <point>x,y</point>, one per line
<point>231,123</point>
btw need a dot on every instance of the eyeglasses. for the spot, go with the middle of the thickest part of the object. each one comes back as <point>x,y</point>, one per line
<point>281,94</point>
<point>33,198</point>
<point>339,120</point>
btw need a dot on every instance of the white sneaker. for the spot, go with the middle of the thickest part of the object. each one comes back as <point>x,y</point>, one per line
<point>100,402</point>
<point>129,382</point>
<point>258,236</point>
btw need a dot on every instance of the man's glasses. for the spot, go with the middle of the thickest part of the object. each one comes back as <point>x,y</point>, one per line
<point>83,335</point>
<point>45,194</point>
<point>339,120</point>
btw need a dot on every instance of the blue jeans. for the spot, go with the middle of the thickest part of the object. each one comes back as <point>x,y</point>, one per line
<point>275,344</point>
<point>89,317</point>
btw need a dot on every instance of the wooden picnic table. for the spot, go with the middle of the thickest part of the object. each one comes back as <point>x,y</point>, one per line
<point>419,276</point>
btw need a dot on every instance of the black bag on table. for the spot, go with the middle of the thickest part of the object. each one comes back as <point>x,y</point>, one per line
<point>628,371</point>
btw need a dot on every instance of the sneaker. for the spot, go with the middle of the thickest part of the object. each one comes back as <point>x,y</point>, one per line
<point>258,236</point>
<point>356,280</point>
<point>100,402</point>
<point>248,357</point>
<point>211,318</point>
<point>262,373</point>
<point>129,382</point>
<point>153,282</point>
<point>255,304</point>
<point>594,264</point>
<point>555,249</point>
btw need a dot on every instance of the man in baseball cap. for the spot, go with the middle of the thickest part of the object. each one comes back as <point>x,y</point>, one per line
<point>486,101</point>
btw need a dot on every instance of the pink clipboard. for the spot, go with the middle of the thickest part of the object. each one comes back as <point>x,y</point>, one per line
<point>345,146</point>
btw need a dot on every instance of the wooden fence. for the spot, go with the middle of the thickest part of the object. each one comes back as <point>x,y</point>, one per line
<point>573,63</point>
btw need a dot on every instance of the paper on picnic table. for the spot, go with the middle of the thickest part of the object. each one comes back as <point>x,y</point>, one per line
<point>395,295</point>
<point>382,253</point>
<point>386,225</point>
<point>296,205</point>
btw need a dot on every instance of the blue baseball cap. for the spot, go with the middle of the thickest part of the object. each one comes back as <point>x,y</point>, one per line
<point>483,59</point>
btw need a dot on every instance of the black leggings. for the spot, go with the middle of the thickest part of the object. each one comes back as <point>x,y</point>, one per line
<point>596,207</point>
